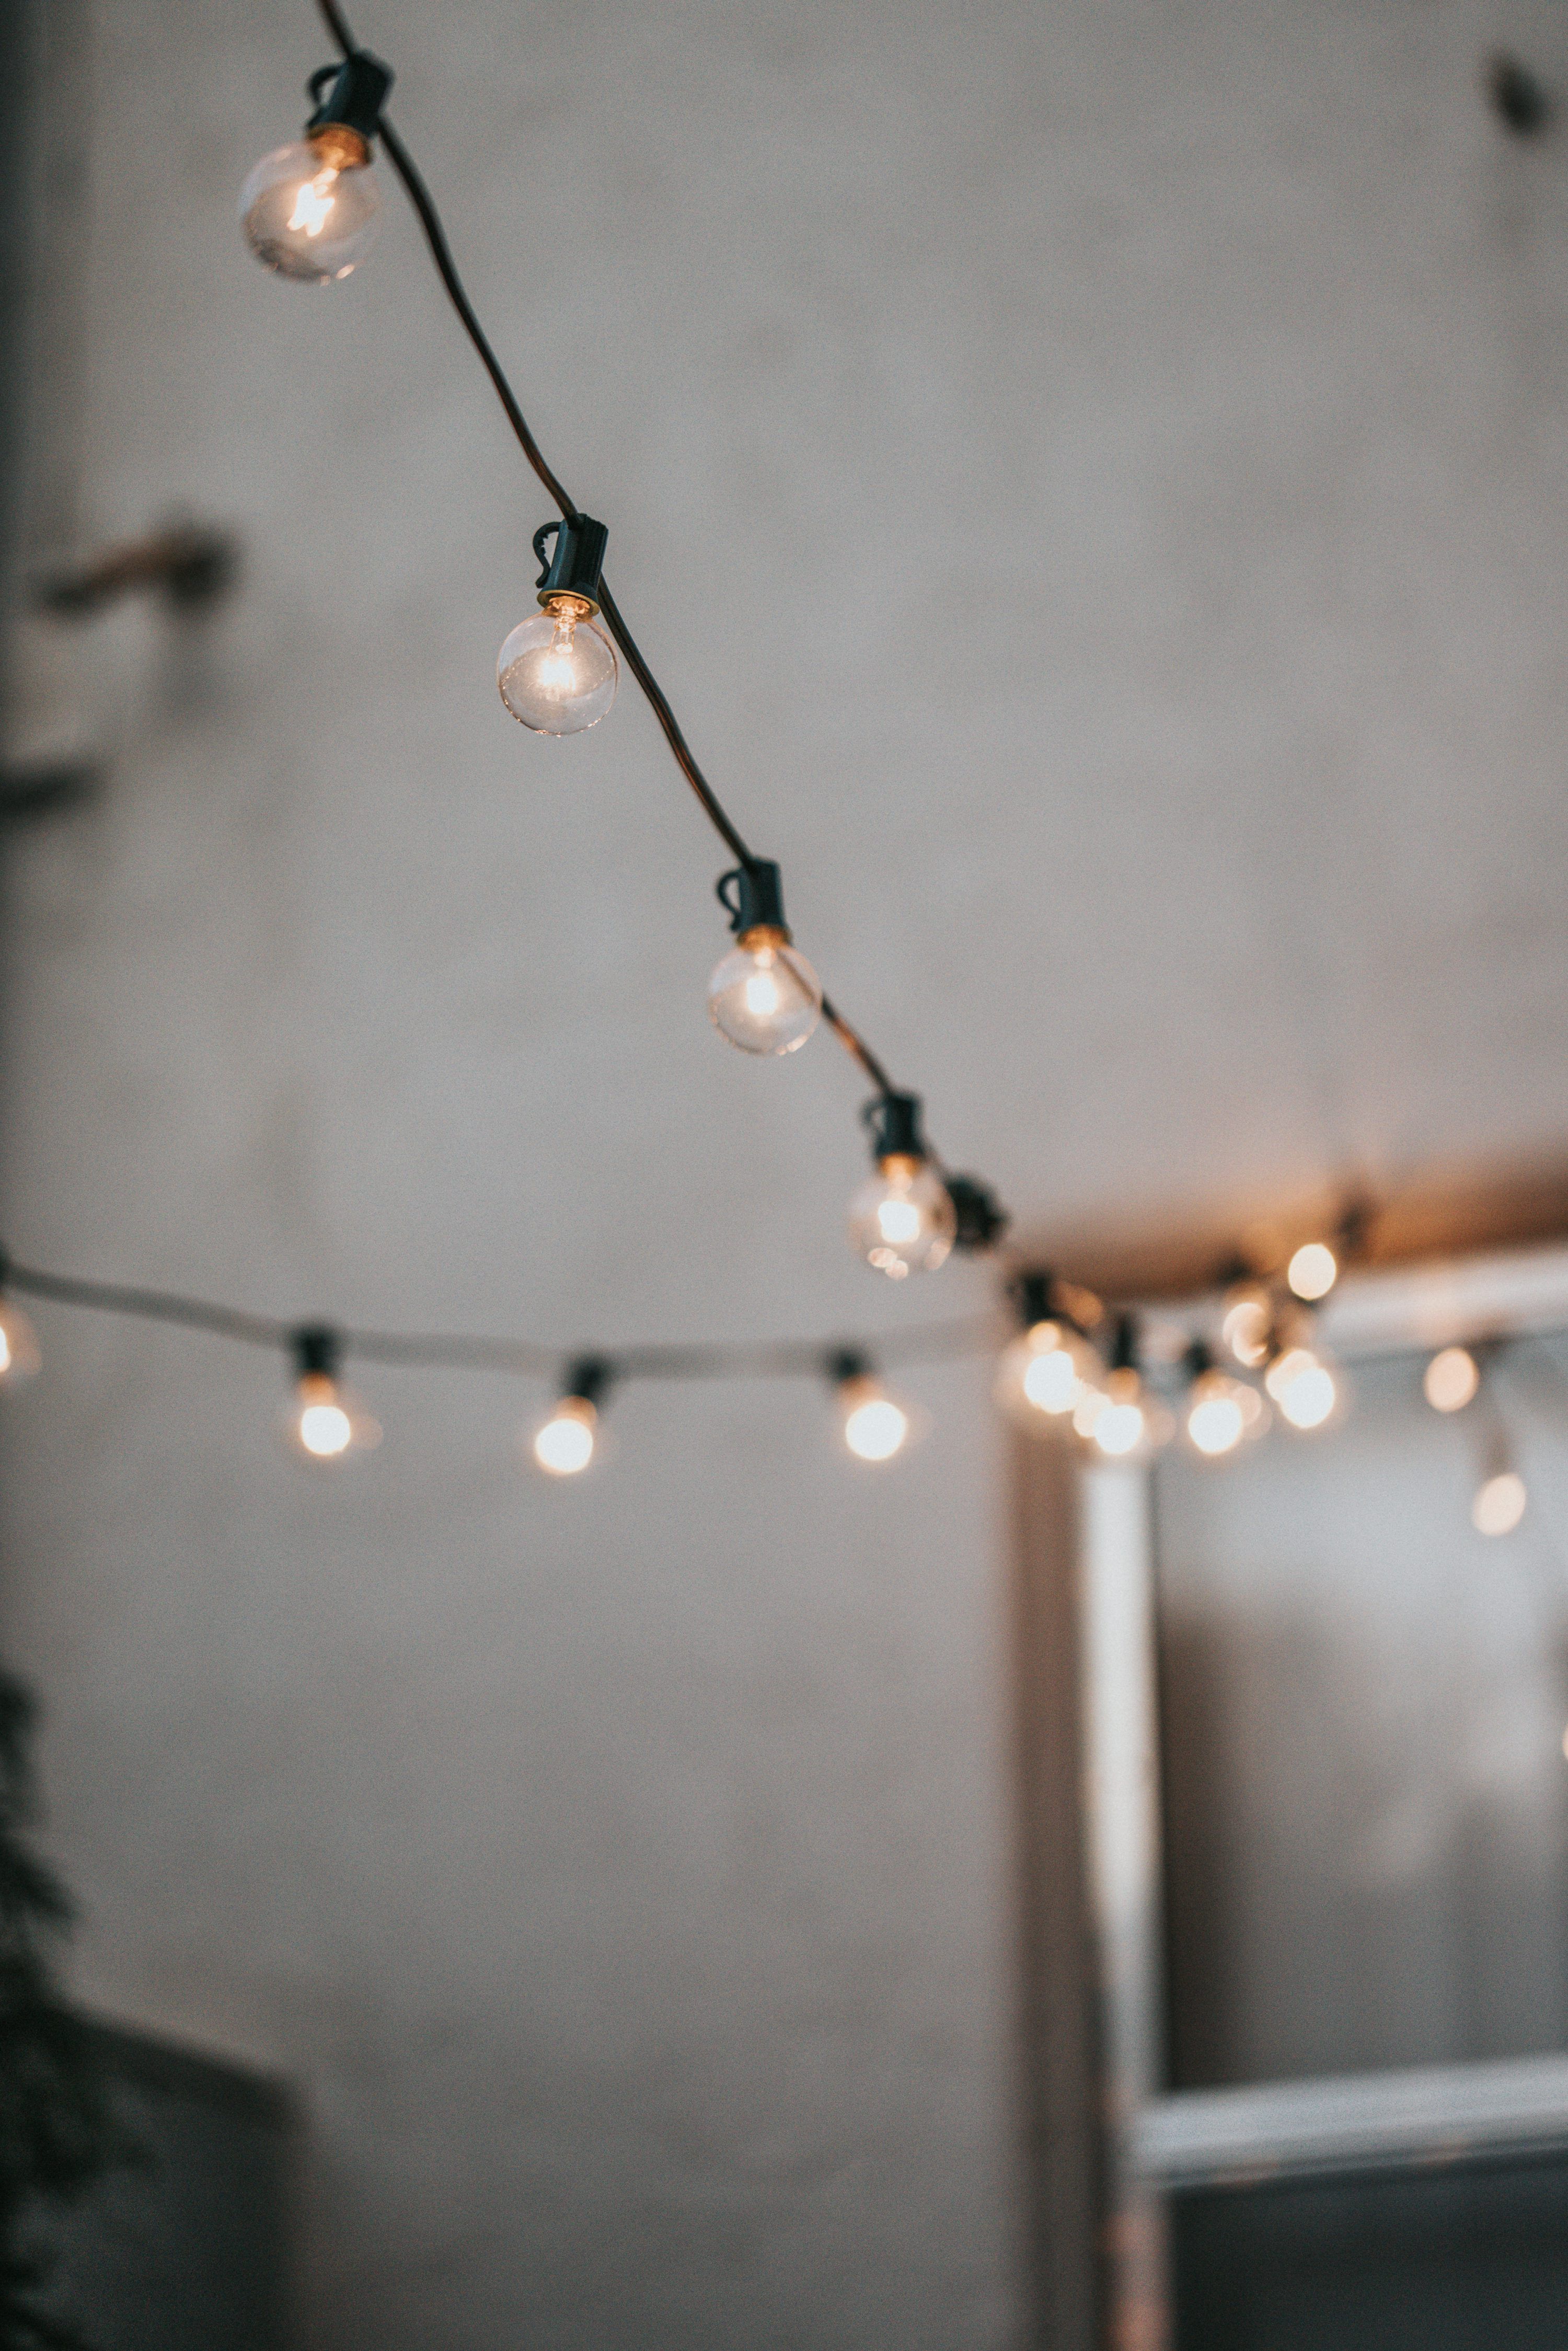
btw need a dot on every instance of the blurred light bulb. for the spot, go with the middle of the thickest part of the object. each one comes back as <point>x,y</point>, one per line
<point>1247,1320</point>
<point>1222,1413</point>
<point>557,671</point>
<point>564,1444</point>
<point>1122,1420</point>
<point>324,1423</point>
<point>1303,1388</point>
<point>901,1219</point>
<point>19,1356</point>
<point>1451,1379</point>
<point>764,996</point>
<point>310,210</point>
<point>875,1428</point>
<point>1500,1504</point>
<point>1045,1372</point>
<point>1314,1270</point>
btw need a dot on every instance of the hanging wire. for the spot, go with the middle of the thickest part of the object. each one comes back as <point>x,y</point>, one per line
<point>430,220</point>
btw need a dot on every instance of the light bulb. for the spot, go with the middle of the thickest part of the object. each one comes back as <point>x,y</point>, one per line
<point>325,1423</point>
<point>875,1428</point>
<point>764,996</point>
<point>557,671</point>
<point>1451,1379</point>
<point>1500,1504</point>
<point>901,1219</point>
<point>310,210</point>
<point>1121,1420</point>
<point>564,1443</point>
<point>1222,1414</point>
<point>1303,1388</point>
<point>1247,1318</point>
<point>19,1356</point>
<point>1314,1270</point>
<point>1045,1372</point>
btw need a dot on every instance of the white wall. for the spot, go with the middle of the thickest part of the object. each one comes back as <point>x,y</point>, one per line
<point>1092,479</point>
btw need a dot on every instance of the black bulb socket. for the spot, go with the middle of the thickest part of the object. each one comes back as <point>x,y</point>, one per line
<point>892,1121</point>
<point>318,1351</point>
<point>752,896</point>
<point>1125,1344</point>
<point>569,582</point>
<point>1198,1360</point>
<point>979,1217</point>
<point>1034,1296</point>
<point>349,101</point>
<point>847,1363</point>
<point>587,1380</point>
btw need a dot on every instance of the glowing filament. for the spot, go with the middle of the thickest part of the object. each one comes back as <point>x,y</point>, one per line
<point>898,1221</point>
<point>557,671</point>
<point>311,206</point>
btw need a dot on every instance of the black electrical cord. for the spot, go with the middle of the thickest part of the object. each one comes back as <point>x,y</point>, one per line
<point>929,1343</point>
<point>423,203</point>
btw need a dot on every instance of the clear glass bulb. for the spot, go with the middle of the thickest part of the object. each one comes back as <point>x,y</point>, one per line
<point>1451,1379</point>
<point>1246,1318</point>
<point>1045,1373</point>
<point>1303,1388</point>
<point>325,1423</point>
<point>557,671</point>
<point>1221,1414</point>
<point>875,1428</point>
<point>901,1219</point>
<point>764,996</point>
<point>1121,1420</point>
<point>1500,1504</point>
<point>19,1356</point>
<point>564,1443</point>
<point>310,210</point>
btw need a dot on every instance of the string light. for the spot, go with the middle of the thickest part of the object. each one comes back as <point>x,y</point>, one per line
<point>323,1421</point>
<point>310,210</point>
<point>902,1221</point>
<point>557,671</point>
<point>20,1357</point>
<point>1246,1321</point>
<point>1046,1371</point>
<point>1221,1412</point>
<point>1122,1421</point>
<point>1312,1271</point>
<point>875,1427</point>
<point>564,1444</point>
<point>1303,1384</point>
<point>1451,1379</point>
<point>763,996</point>
<point>1500,1503</point>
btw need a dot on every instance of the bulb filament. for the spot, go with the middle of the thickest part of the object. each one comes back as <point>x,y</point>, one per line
<point>313,203</point>
<point>556,672</point>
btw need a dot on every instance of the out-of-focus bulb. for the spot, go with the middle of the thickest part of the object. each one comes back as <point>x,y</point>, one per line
<point>310,210</point>
<point>1045,1372</point>
<point>1451,1379</point>
<point>325,1424</point>
<point>875,1428</point>
<point>901,1219</point>
<point>1221,1414</point>
<point>1314,1270</point>
<point>557,671</point>
<point>564,1443</point>
<point>764,996</point>
<point>19,1356</point>
<point>1500,1504</point>
<point>1303,1388</point>
<point>1122,1421</point>
<point>1247,1318</point>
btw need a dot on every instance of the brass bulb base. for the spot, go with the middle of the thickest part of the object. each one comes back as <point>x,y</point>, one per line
<point>562,606</point>
<point>765,935</point>
<point>340,147</point>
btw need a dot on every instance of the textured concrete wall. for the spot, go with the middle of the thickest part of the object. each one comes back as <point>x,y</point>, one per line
<point>1092,476</point>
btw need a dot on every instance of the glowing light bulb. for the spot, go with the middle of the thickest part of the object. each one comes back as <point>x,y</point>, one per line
<point>1314,1270</point>
<point>1222,1414</point>
<point>1303,1388</point>
<point>1246,1322</point>
<point>1451,1379</point>
<point>1045,1372</point>
<point>764,996</point>
<point>1121,1420</point>
<point>323,1421</point>
<point>19,1356</point>
<point>324,1429</point>
<point>901,1219</point>
<point>564,1444</point>
<point>312,210</point>
<point>557,671</point>
<point>875,1427</point>
<point>1500,1504</point>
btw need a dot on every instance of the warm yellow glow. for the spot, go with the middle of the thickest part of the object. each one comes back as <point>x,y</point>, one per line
<point>898,1220</point>
<point>324,1429</point>
<point>1500,1504</point>
<point>1051,1379</point>
<point>1119,1430</point>
<point>1314,1270</point>
<point>1451,1379</point>
<point>5,1350</point>
<point>1214,1424</point>
<point>1245,1328</point>
<point>1302,1387</point>
<point>875,1427</point>
<point>763,994</point>
<point>565,1444</point>
<point>311,207</point>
